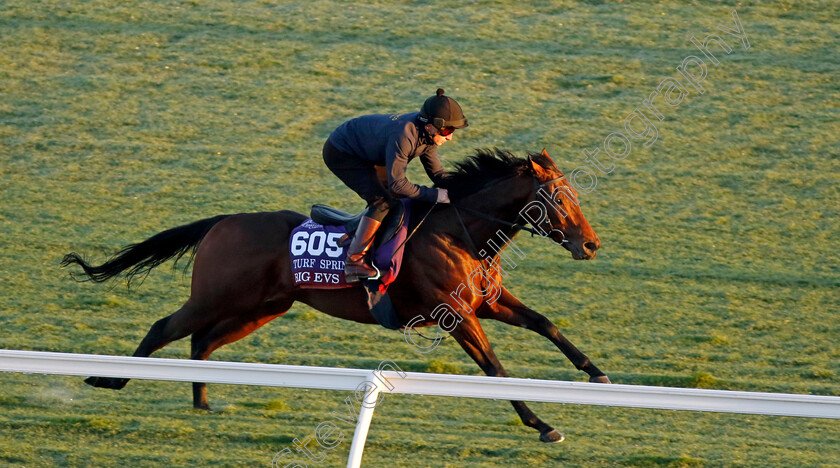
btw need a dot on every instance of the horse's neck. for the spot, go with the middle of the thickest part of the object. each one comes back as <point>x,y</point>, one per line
<point>503,201</point>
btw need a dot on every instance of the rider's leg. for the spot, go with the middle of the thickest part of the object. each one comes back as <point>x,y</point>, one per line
<point>364,178</point>
<point>360,175</point>
<point>355,267</point>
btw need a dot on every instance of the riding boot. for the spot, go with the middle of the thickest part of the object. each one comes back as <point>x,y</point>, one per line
<point>355,268</point>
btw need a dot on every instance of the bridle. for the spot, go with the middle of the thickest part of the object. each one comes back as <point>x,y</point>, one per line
<point>545,186</point>
<point>515,224</point>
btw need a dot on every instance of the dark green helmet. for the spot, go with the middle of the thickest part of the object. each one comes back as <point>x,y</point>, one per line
<point>442,111</point>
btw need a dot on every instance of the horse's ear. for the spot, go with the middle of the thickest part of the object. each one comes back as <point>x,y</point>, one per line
<point>544,154</point>
<point>538,170</point>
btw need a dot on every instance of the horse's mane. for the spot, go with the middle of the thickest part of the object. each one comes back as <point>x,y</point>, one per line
<point>485,167</point>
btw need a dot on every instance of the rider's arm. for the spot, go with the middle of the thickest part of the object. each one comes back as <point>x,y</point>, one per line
<point>396,161</point>
<point>433,167</point>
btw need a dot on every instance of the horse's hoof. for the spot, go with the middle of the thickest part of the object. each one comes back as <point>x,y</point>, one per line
<point>106,382</point>
<point>600,379</point>
<point>205,407</point>
<point>551,437</point>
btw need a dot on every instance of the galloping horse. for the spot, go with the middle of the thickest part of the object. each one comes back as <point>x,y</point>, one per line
<point>242,275</point>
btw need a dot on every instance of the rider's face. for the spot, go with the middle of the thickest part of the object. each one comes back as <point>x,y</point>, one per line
<point>437,137</point>
<point>439,140</point>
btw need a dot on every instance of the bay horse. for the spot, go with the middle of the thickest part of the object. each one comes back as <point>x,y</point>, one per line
<point>242,275</point>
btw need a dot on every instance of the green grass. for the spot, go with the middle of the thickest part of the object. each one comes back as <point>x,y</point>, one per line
<point>719,265</point>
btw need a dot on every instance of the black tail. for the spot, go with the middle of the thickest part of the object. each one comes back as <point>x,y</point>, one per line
<point>139,259</point>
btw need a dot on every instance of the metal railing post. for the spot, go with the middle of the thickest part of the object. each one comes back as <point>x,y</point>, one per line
<point>357,447</point>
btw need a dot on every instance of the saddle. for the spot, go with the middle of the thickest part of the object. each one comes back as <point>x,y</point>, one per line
<point>329,216</point>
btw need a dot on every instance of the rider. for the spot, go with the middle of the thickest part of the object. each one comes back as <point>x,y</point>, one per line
<point>370,154</point>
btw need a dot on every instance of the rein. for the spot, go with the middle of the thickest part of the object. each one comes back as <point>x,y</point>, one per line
<point>415,229</point>
<point>493,218</point>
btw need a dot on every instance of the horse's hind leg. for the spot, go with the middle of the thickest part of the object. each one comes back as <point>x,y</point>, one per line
<point>164,331</point>
<point>213,336</point>
<point>471,337</point>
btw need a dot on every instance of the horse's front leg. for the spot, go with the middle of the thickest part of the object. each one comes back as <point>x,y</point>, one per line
<point>509,309</point>
<point>471,337</point>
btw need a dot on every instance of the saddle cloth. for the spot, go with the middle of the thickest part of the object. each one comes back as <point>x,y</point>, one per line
<point>318,260</point>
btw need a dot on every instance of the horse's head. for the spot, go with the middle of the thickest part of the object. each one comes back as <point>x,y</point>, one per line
<point>562,219</point>
<point>497,187</point>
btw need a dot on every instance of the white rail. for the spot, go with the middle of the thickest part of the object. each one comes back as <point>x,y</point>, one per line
<point>328,378</point>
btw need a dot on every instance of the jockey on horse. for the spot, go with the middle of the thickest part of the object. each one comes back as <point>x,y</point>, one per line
<point>370,155</point>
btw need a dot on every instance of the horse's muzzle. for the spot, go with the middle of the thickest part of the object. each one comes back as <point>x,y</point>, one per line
<point>585,251</point>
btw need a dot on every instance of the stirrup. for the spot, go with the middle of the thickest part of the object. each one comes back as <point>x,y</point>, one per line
<point>365,278</point>
<point>378,273</point>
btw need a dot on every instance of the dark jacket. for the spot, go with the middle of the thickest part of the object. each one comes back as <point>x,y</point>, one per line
<point>392,140</point>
